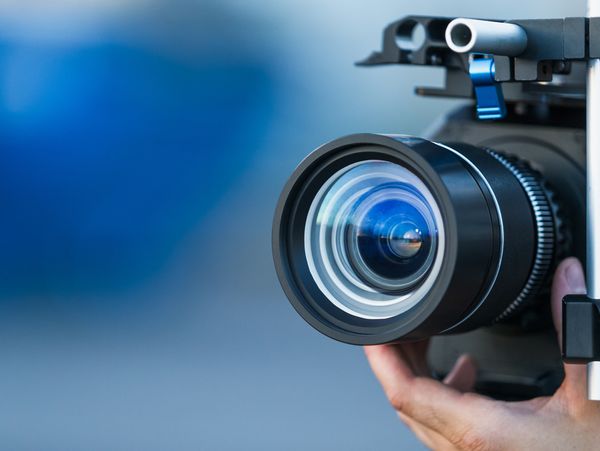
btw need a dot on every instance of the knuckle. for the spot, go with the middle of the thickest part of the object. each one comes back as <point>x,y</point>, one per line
<point>398,402</point>
<point>471,440</point>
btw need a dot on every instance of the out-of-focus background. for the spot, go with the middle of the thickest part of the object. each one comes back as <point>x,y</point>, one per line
<point>143,145</point>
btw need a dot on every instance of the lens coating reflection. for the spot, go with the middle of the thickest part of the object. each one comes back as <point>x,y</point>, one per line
<point>406,239</point>
<point>393,241</point>
<point>374,239</point>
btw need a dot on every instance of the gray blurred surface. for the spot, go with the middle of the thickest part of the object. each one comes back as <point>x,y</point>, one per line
<point>222,362</point>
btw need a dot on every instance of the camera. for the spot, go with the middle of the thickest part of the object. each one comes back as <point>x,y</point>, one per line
<point>454,237</point>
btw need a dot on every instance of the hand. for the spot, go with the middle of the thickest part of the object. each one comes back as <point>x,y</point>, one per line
<point>445,416</point>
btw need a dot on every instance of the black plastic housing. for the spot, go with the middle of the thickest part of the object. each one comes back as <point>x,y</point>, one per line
<point>581,329</point>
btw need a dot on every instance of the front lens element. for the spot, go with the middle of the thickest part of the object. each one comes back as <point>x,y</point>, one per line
<point>374,238</point>
<point>390,240</point>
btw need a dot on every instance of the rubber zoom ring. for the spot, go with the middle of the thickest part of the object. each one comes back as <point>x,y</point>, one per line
<point>546,236</point>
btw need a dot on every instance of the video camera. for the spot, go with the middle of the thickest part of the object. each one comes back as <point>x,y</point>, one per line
<point>393,238</point>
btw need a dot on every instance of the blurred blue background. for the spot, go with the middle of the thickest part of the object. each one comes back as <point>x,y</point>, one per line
<point>143,145</point>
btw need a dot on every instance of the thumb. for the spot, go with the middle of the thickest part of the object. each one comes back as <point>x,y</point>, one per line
<point>569,279</point>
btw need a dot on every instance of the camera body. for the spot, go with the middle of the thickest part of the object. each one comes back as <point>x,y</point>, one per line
<point>388,239</point>
<point>521,358</point>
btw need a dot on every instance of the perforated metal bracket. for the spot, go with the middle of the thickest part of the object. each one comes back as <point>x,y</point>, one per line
<point>554,46</point>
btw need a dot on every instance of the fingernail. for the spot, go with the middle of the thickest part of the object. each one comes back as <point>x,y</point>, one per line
<point>575,278</point>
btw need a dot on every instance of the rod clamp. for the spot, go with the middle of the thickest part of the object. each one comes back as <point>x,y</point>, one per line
<point>488,93</point>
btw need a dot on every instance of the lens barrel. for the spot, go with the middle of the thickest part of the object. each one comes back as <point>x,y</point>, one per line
<point>380,239</point>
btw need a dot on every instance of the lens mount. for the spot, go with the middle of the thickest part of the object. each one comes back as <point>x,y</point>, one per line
<point>378,239</point>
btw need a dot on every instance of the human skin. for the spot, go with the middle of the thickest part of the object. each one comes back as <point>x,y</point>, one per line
<point>446,415</point>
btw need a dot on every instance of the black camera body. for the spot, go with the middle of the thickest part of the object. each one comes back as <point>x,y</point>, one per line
<point>520,358</point>
<point>381,239</point>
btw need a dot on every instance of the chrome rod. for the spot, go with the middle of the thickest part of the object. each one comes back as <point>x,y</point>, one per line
<point>485,36</point>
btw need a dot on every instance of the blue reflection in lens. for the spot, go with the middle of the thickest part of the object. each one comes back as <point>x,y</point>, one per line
<point>374,239</point>
<point>390,239</point>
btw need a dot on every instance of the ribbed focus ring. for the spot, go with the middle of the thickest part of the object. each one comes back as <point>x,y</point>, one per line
<point>546,236</point>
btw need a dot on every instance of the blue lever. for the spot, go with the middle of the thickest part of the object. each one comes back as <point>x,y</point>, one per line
<point>488,93</point>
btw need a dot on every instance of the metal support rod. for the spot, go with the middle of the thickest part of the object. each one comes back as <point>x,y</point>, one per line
<point>485,36</point>
<point>593,194</point>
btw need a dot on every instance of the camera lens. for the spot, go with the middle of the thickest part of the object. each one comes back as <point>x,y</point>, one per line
<point>392,236</point>
<point>381,239</point>
<point>371,238</point>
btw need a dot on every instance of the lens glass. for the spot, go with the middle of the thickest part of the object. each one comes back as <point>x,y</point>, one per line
<point>374,239</point>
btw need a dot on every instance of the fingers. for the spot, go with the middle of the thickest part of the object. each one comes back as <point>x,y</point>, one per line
<point>463,375</point>
<point>569,279</point>
<point>458,417</point>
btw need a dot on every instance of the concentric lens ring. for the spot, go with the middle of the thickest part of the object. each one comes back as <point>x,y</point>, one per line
<point>374,239</point>
<point>381,241</point>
